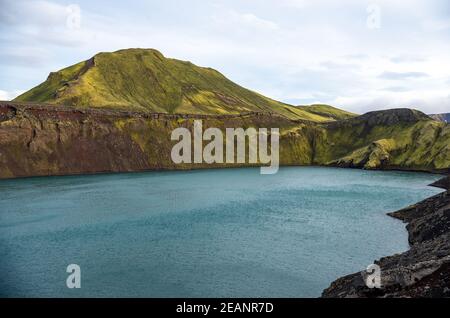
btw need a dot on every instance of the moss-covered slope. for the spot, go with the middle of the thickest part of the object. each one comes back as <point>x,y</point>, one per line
<point>52,140</point>
<point>331,112</point>
<point>398,138</point>
<point>145,80</point>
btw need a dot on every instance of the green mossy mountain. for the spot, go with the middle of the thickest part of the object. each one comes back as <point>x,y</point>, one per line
<point>145,80</point>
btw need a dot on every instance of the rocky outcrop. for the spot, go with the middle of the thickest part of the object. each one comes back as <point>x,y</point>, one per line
<point>422,271</point>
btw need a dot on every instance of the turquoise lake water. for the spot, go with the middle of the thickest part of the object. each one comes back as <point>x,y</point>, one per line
<point>204,233</point>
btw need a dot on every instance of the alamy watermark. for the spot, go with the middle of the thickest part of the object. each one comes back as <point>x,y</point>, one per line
<point>374,16</point>
<point>73,19</point>
<point>74,279</point>
<point>235,139</point>
<point>372,276</point>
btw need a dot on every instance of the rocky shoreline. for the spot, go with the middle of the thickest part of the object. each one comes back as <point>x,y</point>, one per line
<point>423,270</point>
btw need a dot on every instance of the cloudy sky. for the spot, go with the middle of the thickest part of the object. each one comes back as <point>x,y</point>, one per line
<point>355,54</point>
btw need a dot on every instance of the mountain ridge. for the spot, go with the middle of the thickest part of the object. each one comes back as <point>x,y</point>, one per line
<point>41,140</point>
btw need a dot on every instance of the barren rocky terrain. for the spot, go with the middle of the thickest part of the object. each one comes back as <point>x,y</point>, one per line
<point>422,271</point>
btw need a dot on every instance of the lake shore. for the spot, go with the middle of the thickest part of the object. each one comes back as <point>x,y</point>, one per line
<point>423,270</point>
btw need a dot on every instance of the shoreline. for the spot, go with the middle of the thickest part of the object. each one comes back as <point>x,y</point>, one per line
<point>101,173</point>
<point>424,269</point>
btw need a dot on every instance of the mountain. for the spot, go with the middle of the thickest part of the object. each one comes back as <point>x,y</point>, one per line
<point>445,117</point>
<point>145,80</point>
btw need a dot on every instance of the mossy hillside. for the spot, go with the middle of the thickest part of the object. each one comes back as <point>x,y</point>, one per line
<point>144,80</point>
<point>54,140</point>
<point>153,137</point>
<point>421,145</point>
<point>331,112</point>
<point>416,145</point>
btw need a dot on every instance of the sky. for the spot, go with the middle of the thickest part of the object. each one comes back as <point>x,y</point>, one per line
<point>354,54</point>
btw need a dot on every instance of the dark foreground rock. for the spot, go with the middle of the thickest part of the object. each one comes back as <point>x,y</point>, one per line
<point>422,271</point>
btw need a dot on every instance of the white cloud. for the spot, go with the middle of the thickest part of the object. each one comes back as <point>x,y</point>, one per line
<point>436,24</point>
<point>292,50</point>
<point>254,21</point>
<point>4,95</point>
<point>232,21</point>
<point>401,75</point>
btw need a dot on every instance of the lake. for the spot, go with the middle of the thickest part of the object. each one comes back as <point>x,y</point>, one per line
<point>201,233</point>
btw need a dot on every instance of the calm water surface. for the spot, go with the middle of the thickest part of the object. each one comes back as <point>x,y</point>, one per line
<point>205,233</point>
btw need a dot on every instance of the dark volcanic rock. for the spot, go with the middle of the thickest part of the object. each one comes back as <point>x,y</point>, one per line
<point>424,270</point>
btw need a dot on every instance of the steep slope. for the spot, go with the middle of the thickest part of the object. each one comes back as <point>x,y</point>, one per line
<point>144,80</point>
<point>53,140</point>
<point>395,139</point>
<point>327,111</point>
